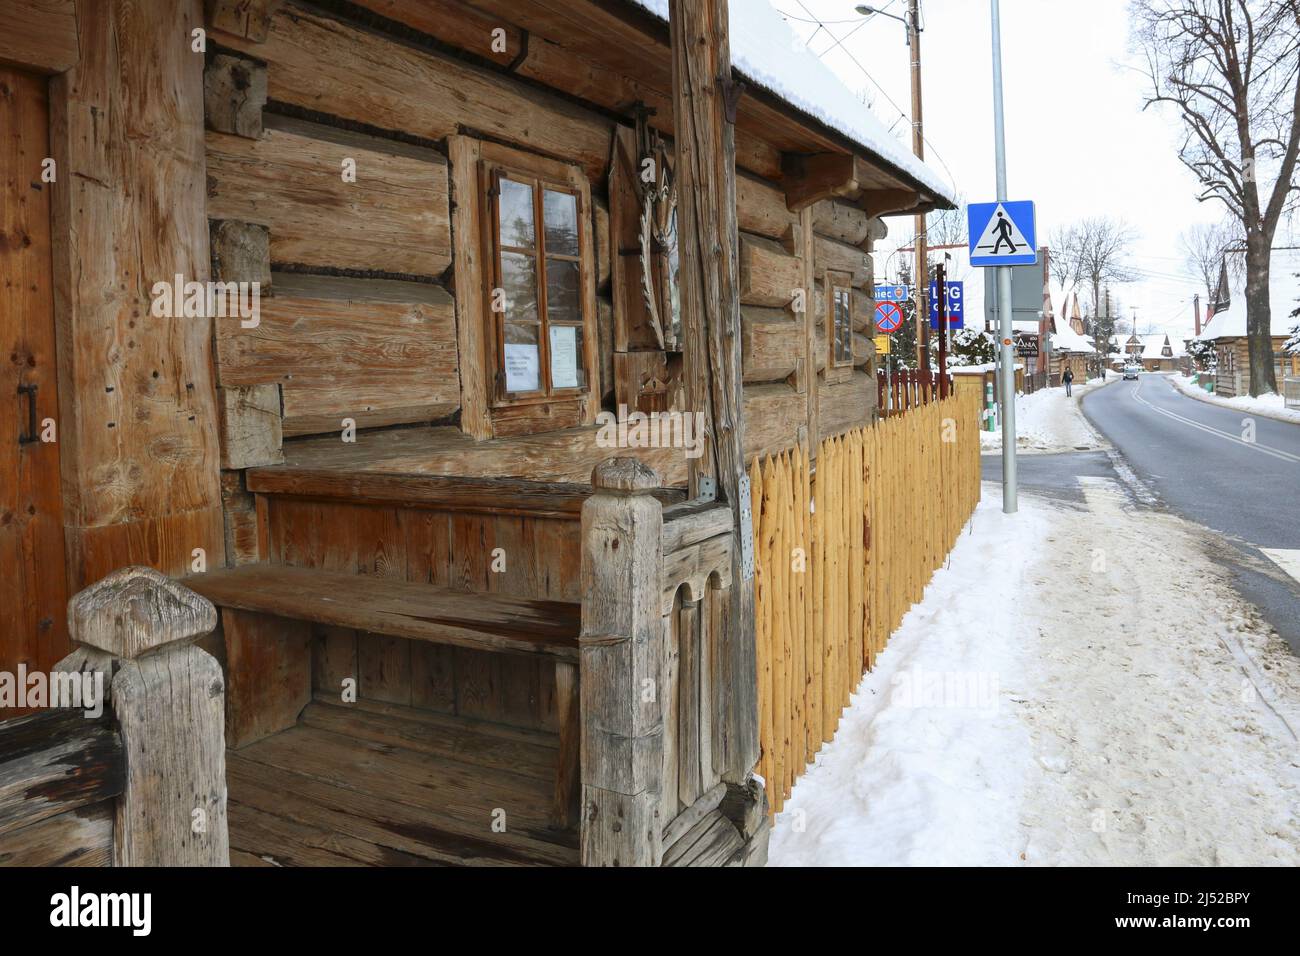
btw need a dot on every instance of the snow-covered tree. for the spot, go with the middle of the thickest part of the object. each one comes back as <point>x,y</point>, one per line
<point>1203,354</point>
<point>972,346</point>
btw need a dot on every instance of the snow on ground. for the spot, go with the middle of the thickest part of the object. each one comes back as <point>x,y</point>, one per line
<point>1266,406</point>
<point>1080,686</point>
<point>1047,421</point>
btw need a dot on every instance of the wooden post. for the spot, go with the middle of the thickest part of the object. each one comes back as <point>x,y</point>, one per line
<point>704,101</point>
<point>621,667</point>
<point>167,696</point>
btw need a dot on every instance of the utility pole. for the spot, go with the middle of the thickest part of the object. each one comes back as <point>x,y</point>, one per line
<point>922,271</point>
<point>1010,502</point>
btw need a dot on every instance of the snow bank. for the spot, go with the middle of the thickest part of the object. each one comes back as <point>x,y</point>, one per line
<point>906,783</point>
<point>1266,406</point>
<point>1047,422</point>
<point>1141,714</point>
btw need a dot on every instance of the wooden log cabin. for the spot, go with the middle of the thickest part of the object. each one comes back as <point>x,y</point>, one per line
<point>478,229</point>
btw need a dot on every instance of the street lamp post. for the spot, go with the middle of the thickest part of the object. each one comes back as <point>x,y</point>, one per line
<point>921,273</point>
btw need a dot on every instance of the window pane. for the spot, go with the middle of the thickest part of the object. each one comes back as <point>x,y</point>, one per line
<point>519,280</point>
<point>567,370</point>
<point>516,205</point>
<point>563,293</point>
<point>843,327</point>
<point>560,211</point>
<point>522,358</point>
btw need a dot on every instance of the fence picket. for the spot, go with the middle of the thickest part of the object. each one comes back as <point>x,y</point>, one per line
<point>876,519</point>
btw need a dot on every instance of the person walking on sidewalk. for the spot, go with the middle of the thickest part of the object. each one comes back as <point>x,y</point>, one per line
<point>1068,380</point>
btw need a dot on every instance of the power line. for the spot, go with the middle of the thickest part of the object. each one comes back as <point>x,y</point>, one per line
<point>838,41</point>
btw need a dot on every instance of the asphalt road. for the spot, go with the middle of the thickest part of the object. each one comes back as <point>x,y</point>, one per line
<point>1204,464</point>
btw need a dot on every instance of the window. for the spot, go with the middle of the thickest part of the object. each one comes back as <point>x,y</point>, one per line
<point>841,326</point>
<point>539,291</point>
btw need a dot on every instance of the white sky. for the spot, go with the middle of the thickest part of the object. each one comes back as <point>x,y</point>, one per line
<point>1078,141</point>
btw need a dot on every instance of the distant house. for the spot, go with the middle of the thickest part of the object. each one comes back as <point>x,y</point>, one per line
<point>1159,354</point>
<point>1227,329</point>
<point>1070,347</point>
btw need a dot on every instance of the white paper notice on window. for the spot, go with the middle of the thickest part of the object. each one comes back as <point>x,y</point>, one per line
<point>522,368</point>
<point>564,356</point>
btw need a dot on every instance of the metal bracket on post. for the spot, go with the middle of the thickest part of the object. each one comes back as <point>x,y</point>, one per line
<point>708,486</point>
<point>746,531</point>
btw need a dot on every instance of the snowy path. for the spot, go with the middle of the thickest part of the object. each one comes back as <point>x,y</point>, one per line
<point>1047,421</point>
<point>1109,700</point>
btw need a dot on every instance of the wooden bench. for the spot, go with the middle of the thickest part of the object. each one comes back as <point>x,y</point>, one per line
<point>269,666</point>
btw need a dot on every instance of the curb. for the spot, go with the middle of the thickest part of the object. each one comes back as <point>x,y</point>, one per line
<point>1193,392</point>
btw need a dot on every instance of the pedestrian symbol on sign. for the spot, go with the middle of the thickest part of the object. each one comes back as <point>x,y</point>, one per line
<point>1002,234</point>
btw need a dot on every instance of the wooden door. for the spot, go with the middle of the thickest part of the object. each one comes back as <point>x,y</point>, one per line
<point>33,586</point>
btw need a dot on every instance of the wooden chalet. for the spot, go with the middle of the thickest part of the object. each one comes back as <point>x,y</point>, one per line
<point>484,235</point>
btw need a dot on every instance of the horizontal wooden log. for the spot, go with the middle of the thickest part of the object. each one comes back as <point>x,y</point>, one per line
<point>245,18</point>
<point>377,351</point>
<point>39,35</point>
<point>846,404</point>
<point>250,425</point>
<point>81,837</point>
<point>326,65</point>
<point>772,343</point>
<point>769,275</point>
<point>234,93</point>
<point>55,761</point>
<point>842,221</point>
<point>760,208</point>
<point>773,416</point>
<point>830,255</point>
<point>394,218</point>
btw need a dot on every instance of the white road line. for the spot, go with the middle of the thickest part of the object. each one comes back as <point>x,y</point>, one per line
<point>1288,561</point>
<point>1263,449</point>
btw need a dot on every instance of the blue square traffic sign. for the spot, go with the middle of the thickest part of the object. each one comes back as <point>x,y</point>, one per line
<point>1002,234</point>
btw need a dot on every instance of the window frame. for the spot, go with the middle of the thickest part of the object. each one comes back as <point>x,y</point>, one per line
<point>838,282</point>
<point>539,181</point>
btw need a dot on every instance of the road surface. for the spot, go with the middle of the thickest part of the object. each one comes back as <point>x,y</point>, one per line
<point>1232,472</point>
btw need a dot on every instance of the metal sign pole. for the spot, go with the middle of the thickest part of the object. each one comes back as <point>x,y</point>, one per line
<point>1008,383</point>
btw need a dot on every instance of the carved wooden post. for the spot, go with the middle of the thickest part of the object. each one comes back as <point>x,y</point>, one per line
<point>621,667</point>
<point>704,111</point>
<point>138,626</point>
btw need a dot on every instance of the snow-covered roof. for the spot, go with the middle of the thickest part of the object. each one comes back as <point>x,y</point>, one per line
<point>769,55</point>
<point>1283,291</point>
<point>1153,346</point>
<point>1065,339</point>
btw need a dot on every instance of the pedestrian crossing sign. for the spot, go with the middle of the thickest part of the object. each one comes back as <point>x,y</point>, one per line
<point>1002,234</point>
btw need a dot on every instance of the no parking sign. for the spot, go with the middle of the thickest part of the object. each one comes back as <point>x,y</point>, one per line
<point>888,317</point>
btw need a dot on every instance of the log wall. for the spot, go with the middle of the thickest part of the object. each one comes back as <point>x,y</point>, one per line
<point>318,86</point>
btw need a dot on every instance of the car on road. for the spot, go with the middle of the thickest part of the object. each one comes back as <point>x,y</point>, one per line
<point>1132,371</point>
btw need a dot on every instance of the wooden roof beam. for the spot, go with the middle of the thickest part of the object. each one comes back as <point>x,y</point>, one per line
<point>810,179</point>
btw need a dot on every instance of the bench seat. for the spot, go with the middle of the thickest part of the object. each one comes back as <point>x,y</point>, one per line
<point>421,612</point>
<point>267,610</point>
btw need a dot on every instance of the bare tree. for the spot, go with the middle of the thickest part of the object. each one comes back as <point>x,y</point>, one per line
<point>1231,68</point>
<point>1064,261</point>
<point>1101,249</point>
<point>1207,248</point>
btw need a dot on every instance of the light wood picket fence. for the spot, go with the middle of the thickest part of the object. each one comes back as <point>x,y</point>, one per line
<point>843,548</point>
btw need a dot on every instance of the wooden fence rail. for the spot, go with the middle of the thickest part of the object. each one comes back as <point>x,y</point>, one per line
<point>843,549</point>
